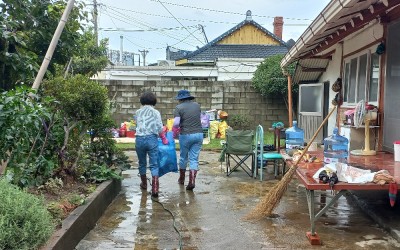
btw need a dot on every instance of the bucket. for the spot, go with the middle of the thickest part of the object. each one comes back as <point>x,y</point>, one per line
<point>396,150</point>
<point>130,133</point>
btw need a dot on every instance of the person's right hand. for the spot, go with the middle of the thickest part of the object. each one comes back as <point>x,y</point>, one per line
<point>176,132</point>
<point>164,141</point>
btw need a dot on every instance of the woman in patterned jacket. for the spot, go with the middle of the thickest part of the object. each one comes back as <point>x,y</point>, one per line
<point>148,126</point>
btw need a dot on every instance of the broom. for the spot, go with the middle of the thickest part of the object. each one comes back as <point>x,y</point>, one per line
<point>265,207</point>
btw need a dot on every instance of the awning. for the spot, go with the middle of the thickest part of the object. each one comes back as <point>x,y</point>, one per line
<point>337,20</point>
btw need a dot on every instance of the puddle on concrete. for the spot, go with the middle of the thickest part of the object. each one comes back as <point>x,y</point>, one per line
<point>211,217</point>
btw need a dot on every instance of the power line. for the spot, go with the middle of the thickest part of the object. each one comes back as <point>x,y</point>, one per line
<point>179,21</point>
<point>122,17</point>
<point>159,43</point>
<point>194,20</point>
<point>227,12</point>
<point>143,30</point>
<point>156,15</point>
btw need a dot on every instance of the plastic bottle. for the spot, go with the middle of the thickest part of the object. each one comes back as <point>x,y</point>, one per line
<point>294,137</point>
<point>336,148</point>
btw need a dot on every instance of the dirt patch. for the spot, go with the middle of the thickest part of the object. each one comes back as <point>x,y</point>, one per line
<point>62,198</point>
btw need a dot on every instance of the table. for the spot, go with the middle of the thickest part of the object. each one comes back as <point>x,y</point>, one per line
<point>305,171</point>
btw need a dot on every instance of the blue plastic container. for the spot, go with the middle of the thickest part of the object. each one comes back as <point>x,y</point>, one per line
<point>294,137</point>
<point>336,148</point>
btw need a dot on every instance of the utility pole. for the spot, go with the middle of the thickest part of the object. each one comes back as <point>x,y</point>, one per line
<point>121,50</point>
<point>95,25</point>
<point>133,58</point>
<point>144,53</point>
<point>53,45</point>
<point>201,27</point>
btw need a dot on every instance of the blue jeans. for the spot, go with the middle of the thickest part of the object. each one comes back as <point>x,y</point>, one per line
<point>190,146</point>
<point>147,145</point>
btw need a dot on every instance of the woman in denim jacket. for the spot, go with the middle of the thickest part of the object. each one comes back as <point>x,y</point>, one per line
<point>187,121</point>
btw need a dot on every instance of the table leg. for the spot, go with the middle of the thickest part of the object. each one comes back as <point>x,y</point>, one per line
<point>312,235</point>
<point>311,208</point>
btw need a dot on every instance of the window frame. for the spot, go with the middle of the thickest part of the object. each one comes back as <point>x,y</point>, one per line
<point>321,94</point>
<point>347,77</point>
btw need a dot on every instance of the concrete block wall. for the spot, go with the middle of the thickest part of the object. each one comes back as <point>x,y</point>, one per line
<point>232,97</point>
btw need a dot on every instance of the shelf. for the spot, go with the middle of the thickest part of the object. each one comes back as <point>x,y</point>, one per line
<point>363,126</point>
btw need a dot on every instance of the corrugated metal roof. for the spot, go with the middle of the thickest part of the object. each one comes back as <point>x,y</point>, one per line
<point>330,24</point>
<point>303,76</point>
<point>338,20</point>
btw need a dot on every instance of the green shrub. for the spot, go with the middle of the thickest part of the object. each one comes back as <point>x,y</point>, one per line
<point>25,222</point>
<point>239,122</point>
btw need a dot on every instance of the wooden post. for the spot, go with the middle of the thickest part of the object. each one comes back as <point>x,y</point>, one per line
<point>289,78</point>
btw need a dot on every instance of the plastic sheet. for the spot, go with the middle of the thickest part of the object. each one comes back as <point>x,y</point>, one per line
<point>205,120</point>
<point>170,123</point>
<point>213,129</point>
<point>167,156</point>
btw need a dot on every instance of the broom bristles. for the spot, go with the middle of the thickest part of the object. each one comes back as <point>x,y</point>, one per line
<point>267,205</point>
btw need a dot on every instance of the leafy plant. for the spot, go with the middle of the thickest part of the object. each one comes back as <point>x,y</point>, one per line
<point>269,79</point>
<point>25,151</point>
<point>83,103</point>
<point>25,222</point>
<point>27,29</point>
<point>99,173</point>
<point>52,185</point>
<point>91,58</point>
<point>239,122</point>
<point>76,199</point>
<point>56,211</point>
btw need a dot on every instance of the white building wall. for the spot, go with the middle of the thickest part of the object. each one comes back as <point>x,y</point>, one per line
<point>331,74</point>
<point>227,69</point>
<point>237,69</point>
<point>354,42</point>
<point>156,73</point>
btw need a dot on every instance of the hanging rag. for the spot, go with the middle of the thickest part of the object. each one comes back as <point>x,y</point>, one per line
<point>392,193</point>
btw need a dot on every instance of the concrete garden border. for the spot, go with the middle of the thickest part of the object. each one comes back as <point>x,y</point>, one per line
<point>84,218</point>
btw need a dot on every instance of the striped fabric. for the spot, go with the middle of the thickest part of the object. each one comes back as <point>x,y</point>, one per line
<point>148,121</point>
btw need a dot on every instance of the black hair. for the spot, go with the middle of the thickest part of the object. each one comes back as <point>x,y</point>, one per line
<point>186,99</point>
<point>148,98</point>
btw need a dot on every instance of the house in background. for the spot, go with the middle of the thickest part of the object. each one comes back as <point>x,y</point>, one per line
<point>233,56</point>
<point>237,52</point>
<point>359,42</point>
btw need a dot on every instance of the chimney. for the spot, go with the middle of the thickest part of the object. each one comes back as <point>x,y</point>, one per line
<point>278,26</point>
<point>248,15</point>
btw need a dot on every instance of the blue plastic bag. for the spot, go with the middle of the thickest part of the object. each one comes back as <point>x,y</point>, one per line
<point>167,156</point>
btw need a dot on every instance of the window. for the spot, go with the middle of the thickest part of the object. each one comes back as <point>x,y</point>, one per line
<point>361,78</point>
<point>311,97</point>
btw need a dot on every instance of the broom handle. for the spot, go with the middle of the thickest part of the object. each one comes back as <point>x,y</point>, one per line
<point>314,136</point>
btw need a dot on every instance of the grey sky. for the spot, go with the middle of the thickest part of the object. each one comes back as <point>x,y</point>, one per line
<point>169,17</point>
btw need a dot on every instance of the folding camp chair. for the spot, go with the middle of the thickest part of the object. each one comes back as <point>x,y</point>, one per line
<point>239,148</point>
<point>263,158</point>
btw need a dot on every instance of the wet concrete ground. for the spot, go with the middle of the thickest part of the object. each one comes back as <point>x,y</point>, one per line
<point>210,217</point>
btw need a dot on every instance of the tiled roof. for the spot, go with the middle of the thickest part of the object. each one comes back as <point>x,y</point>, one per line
<point>175,55</point>
<point>214,50</point>
<point>237,51</point>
